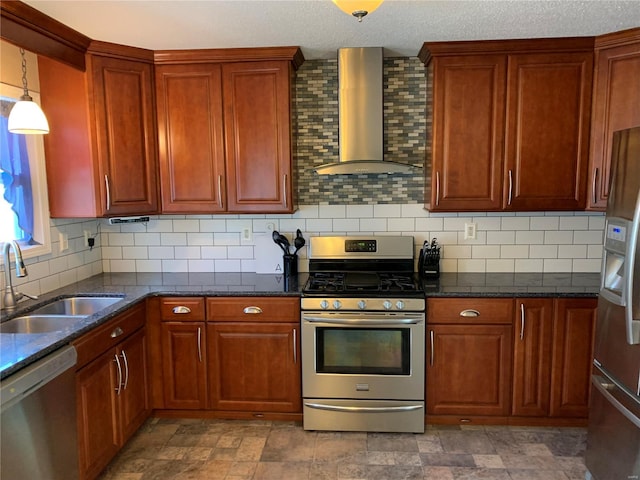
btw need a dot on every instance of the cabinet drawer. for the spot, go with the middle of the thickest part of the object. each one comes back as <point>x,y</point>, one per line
<point>106,336</point>
<point>182,309</point>
<point>253,309</point>
<point>470,310</point>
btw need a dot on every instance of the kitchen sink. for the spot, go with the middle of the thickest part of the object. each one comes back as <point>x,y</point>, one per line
<point>76,306</point>
<point>39,323</point>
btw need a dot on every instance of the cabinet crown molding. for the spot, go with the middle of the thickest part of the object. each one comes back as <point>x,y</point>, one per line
<point>219,55</point>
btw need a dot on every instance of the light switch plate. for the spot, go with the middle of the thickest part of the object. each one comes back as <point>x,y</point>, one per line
<point>470,231</point>
<point>64,241</point>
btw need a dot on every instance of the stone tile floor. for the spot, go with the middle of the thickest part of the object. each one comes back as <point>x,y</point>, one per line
<point>235,449</point>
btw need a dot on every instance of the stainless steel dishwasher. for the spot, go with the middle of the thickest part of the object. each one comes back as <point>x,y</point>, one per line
<point>38,420</point>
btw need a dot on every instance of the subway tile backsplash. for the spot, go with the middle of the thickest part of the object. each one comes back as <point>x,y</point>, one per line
<point>538,242</point>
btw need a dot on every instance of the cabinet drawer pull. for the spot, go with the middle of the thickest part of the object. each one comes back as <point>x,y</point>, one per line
<point>117,332</point>
<point>252,310</point>
<point>469,313</point>
<point>181,309</point>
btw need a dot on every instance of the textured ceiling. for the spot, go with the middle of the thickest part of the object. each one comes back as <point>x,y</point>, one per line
<point>320,28</point>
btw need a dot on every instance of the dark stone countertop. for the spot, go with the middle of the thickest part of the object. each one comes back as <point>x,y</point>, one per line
<point>19,350</point>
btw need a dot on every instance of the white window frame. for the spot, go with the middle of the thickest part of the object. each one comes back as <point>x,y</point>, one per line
<point>35,147</point>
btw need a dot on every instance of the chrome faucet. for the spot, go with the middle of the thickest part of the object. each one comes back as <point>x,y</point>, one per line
<point>11,297</point>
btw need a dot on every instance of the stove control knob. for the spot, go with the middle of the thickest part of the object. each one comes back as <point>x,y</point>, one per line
<point>362,304</point>
<point>387,305</point>
<point>399,304</point>
<point>337,304</point>
<point>324,304</point>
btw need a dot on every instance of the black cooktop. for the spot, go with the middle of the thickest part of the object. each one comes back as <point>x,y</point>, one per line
<point>370,283</point>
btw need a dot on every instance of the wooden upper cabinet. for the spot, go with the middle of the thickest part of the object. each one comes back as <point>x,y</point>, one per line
<point>258,136</point>
<point>101,154</point>
<point>468,132</point>
<point>224,129</point>
<point>510,124</point>
<point>547,134</point>
<point>190,134</point>
<point>616,104</point>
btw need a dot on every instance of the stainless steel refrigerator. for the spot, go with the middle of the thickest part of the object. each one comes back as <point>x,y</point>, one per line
<point>613,440</point>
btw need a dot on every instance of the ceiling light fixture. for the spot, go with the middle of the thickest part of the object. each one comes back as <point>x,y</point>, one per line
<point>26,116</point>
<point>358,8</point>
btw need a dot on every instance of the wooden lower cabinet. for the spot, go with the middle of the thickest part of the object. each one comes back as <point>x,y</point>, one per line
<point>573,339</point>
<point>470,370</point>
<point>532,356</point>
<point>184,365</point>
<point>111,402</point>
<point>254,367</point>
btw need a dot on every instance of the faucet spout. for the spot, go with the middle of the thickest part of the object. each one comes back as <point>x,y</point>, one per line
<point>11,297</point>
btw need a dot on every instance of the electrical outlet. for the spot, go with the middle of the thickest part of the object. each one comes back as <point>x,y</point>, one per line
<point>246,237</point>
<point>470,231</point>
<point>87,236</point>
<point>63,238</point>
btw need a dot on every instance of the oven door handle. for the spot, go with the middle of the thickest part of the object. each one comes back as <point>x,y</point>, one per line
<point>337,408</point>
<point>358,321</point>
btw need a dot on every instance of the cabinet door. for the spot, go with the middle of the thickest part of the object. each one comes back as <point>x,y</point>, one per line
<point>133,401</point>
<point>468,132</point>
<point>98,439</point>
<point>125,134</point>
<point>258,136</point>
<point>532,357</point>
<point>184,365</point>
<point>573,336</point>
<point>254,367</point>
<point>190,133</point>
<point>616,100</point>
<point>547,133</point>
<point>469,370</point>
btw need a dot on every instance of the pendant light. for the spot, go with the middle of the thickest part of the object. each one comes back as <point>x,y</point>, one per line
<point>358,8</point>
<point>26,116</point>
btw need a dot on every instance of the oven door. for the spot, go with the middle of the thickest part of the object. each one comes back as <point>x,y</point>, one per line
<point>363,355</point>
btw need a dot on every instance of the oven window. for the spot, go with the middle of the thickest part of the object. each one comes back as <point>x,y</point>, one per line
<point>380,351</point>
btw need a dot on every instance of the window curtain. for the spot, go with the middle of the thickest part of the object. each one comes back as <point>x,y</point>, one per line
<point>15,174</point>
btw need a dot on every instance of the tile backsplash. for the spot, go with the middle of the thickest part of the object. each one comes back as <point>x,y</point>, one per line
<point>505,242</point>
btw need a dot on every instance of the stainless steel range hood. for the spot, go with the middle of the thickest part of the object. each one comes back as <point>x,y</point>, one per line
<point>360,100</point>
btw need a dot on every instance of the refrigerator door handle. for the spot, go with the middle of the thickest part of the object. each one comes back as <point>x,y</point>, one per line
<point>632,324</point>
<point>606,387</point>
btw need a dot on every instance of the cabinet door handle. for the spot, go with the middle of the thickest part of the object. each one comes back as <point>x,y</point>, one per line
<point>116,332</point>
<point>521,321</point>
<point>469,313</point>
<point>295,353</point>
<point>510,187</point>
<point>126,370</point>
<point>437,188</point>
<point>181,309</point>
<point>284,189</point>
<point>106,185</point>
<point>220,191</point>
<point>252,310</point>
<point>431,338</point>
<point>200,344</point>
<point>119,387</point>
<point>594,186</point>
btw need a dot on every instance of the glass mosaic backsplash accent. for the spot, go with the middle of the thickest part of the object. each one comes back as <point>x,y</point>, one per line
<point>405,135</point>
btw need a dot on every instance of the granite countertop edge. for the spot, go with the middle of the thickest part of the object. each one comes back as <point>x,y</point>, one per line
<point>20,350</point>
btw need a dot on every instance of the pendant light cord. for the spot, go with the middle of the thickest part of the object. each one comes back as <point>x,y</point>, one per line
<point>24,77</point>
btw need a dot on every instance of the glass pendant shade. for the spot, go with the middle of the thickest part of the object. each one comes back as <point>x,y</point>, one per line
<point>27,117</point>
<point>358,8</point>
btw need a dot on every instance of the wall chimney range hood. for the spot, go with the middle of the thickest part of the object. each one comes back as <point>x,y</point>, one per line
<point>360,87</point>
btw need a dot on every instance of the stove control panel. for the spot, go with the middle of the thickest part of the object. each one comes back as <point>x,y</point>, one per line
<point>364,304</point>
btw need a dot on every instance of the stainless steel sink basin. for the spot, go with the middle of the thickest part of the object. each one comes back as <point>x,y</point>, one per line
<point>76,306</point>
<point>39,323</point>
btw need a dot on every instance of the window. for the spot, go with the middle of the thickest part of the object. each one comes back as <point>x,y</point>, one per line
<point>24,207</point>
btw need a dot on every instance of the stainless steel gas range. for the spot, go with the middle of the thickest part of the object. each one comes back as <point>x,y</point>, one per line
<point>363,336</point>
